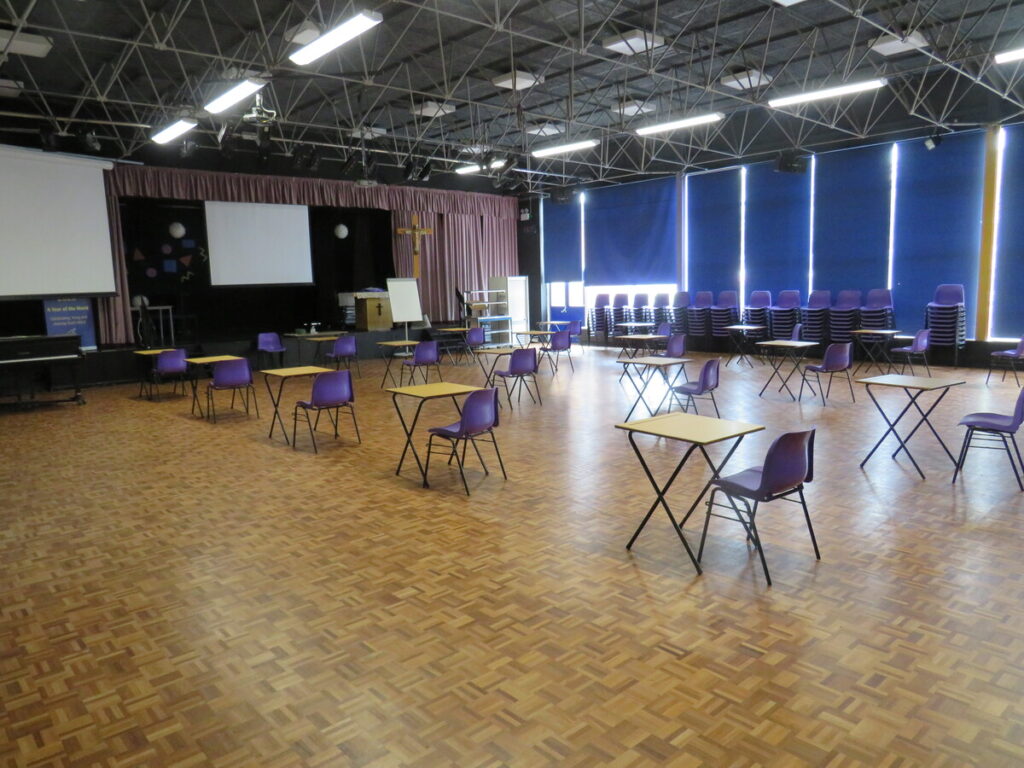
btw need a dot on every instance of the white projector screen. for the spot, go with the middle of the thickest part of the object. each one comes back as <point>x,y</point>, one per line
<point>258,244</point>
<point>54,233</point>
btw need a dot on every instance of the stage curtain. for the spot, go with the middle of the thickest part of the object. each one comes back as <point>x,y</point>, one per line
<point>114,312</point>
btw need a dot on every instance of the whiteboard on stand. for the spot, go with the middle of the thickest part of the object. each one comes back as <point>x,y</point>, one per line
<point>404,293</point>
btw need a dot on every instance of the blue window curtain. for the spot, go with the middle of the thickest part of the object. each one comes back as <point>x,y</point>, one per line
<point>778,232</point>
<point>851,219</point>
<point>713,231</point>
<point>632,233</point>
<point>938,224</point>
<point>562,255</point>
<point>1008,312</point>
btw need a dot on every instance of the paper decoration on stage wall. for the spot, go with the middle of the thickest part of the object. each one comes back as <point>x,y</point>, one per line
<point>150,272</point>
<point>177,230</point>
<point>186,259</point>
<point>341,231</point>
<point>187,276</point>
<point>166,249</point>
<point>170,266</point>
<point>188,243</point>
<point>137,255</point>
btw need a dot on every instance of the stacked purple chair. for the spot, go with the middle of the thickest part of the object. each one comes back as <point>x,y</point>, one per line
<point>698,314</point>
<point>479,418</point>
<point>815,315</point>
<point>680,305</point>
<point>838,359</point>
<point>661,311</point>
<point>425,355</point>
<point>620,312</point>
<point>701,389</point>
<point>917,348</point>
<point>234,375</point>
<point>344,348</point>
<point>270,344</point>
<point>844,316</point>
<point>522,370</point>
<point>878,311</point>
<point>1007,359</point>
<point>994,428</point>
<point>946,318</point>
<point>331,392</point>
<point>575,329</point>
<point>788,465</point>
<point>560,342</point>
<point>599,316</point>
<point>784,315</point>
<point>169,365</point>
<point>639,313</point>
<point>756,312</point>
<point>724,313</point>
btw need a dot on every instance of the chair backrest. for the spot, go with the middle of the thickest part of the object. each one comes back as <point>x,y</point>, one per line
<point>621,300</point>
<point>878,298</point>
<point>727,299</point>
<point>819,299</point>
<point>344,346</point>
<point>838,357</point>
<point>170,361</point>
<point>676,346</point>
<point>268,342</point>
<point>708,379</point>
<point>425,353</point>
<point>920,343</point>
<point>703,299</point>
<point>475,337</point>
<point>523,361</point>
<point>660,300</point>
<point>1020,347</point>
<point>479,412</point>
<point>760,300</point>
<point>789,299</point>
<point>1018,411</point>
<point>639,300</point>
<point>848,299</point>
<point>664,329</point>
<point>797,330</point>
<point>232,373</point>
<point>789,462</point>
<point>575,328</point>
<point>333,388</point>
<point>601,300</point>
<point>949,293</point>
<point>560,341</point>
<point>681,299</point>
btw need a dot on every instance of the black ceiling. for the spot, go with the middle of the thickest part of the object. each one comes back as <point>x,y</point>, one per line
<point>123,69</point>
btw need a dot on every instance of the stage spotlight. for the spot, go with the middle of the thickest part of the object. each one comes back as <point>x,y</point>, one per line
<point>90,141</point>
<point>425,171</point>
<point>933,141</point>
<point>299,156</point>
<point>349,163</point>
<point>187,148</point>
<point>313,161</point>
<point>264,145</point>
<point>227,143</point>
<point>49,138</point>
<point>409,170</point>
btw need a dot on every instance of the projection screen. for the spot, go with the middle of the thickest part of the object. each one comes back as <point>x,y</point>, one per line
<point>258,244</point>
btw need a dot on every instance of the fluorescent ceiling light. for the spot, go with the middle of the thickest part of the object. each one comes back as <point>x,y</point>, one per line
<point>746,79</point>
<point>367,132</point>
<point>495,165</point>
<point>891,45</point>
<point>517,80</point>
<point>787,3</point>
<point>10,89</point>
<point>233,95</point>
<point>632,42</point>
<point>1001,58</point>
<point>686,122</point>
<point>827,93</point>
<point>560,148</point>
<point>174,130</point>
<point>634,107</point>
<point>432,109</point>
<point>24,44</point>
<point>336,37</point>
<point>545,129</point>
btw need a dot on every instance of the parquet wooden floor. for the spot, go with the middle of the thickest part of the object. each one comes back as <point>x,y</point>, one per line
<point>176,593</point>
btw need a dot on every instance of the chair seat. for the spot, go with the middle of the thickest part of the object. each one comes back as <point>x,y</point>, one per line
<point>272,349</point>
<point>310,405</point>
<point>816,368</point>
<point>997,422</point>
<point>689,388</point>
<point>744,483</point>
<point>1007,353</point>
<point>902,349</point>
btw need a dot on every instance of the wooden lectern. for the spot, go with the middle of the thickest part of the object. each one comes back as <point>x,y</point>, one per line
<point>373,312</point>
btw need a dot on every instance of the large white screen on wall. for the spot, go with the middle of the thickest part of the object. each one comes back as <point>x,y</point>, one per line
<point>258,244</point>
<point>54,233</point>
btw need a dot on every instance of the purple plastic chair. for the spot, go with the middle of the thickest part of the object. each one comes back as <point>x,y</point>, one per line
<point>798,329</point>
<point>479,418</point>
<point>522,369</point>
<point>560,342</point>
<point>917,348</point>
<point>838,359</point>
<point>788,465</point>
<point>726,300</point>
<point>760,300</point>
<point>235,375</point>
<point>993,428</point>
<point>878,298</point>
<point>675,346</point>
<point>424,355</point>
<point>331,392</point>
<point>787,300</point>
<point>947,295</point>
<point>701,389</point>
<point>169,365</point>
<point>820,299</point>
<point>344,349</point>
<point>703,300</point>
<point>270,344</point>
<point>1009,357</point>
<point>681,300</point>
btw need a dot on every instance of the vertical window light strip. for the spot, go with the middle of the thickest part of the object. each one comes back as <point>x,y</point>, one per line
<point>1000,154</point>
<point>583,237</point>
<point>545,311</point>
<point>743,237</point>
<point>893,173</point>
<point>810,241</point>
<point>686,233</point>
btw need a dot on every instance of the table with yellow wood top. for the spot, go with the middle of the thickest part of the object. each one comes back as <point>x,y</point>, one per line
<point>282,375</point>
<point>194,379</point>
<point>699,432</point>
<point>424,393</point>
<point>645,369</point>
<point>145,354</point>
<point>793,351</point>
<point>497,353</point>
<point>532,336</point>
<point>875,343</point>
<point>739,335</point>
<point>389,350</point>
<point>317,339</point>
<point>913,387</point>
<point>635,343</point>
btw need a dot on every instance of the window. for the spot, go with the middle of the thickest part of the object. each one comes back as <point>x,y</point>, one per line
<point>556,294</point>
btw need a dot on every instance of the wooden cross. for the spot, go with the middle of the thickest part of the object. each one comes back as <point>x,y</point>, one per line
<point>417,232</point>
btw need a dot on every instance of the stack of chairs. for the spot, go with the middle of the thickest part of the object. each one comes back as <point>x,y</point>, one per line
<point>661,312</point>
<point>815,315</point>
<point>784,315</point>
<point>756,312</point>
<point>698,315</point>
<point>639,312</point>
<point>725,313</point>
<point>620,312</point>
<point>877,311</point>
<point>946,318</point>
<point>598,321</point>
<point>680,305</point>
<point>844,317</point>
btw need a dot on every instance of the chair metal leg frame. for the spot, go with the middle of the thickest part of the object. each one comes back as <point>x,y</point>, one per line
<point>333,413</point>
<point>989,436</point>
<point>1011,365</point>
<point>691,400</point>
<point>891,426</point>
<point>909,360</point>
<point>211,410</point>
<point>520,383</point>
<point>453,452</point>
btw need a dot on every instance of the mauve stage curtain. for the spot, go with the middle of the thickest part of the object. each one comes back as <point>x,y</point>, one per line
<point>114,312</point>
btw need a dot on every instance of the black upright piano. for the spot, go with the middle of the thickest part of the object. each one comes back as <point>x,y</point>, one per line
<point>29,364</point>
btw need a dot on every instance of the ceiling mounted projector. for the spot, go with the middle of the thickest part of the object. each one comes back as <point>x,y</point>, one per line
<point>258,114</point>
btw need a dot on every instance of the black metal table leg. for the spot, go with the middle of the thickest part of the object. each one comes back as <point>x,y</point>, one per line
<point>924,420</point>
<point>892,428</point>
<point>277,412</point>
